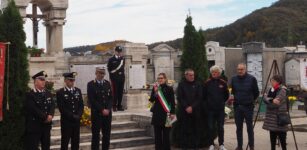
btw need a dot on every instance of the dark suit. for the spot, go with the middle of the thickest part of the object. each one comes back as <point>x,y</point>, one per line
<point>162,139</point>
<point>117,76</point>
<point>38,105</point>
<point>189,94</point>
<point>215,95</point>
<point>70,103</point>
<point>100,98</point>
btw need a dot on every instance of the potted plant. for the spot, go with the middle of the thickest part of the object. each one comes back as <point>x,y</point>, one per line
<point>35,52</point>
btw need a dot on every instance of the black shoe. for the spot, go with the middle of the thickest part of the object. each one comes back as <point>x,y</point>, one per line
<point>239,148</point>
<point>120,109</point>
<point>114,109</point>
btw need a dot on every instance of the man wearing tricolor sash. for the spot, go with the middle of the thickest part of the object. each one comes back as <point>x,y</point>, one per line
<point>163,110</point>
<point>116,68</point>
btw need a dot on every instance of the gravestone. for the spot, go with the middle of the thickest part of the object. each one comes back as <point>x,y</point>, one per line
<point>254,60</point>
<point>163,59</point>
<point>292,72</point>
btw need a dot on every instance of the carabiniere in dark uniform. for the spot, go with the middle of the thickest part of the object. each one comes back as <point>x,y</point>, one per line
<point>70,103</point>
<point>38,105</point>
<point>100,98</point>
<point>116,68</point>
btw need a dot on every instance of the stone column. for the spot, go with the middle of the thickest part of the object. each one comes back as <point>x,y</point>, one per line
<point>54,36</point>
<point>135,97</point>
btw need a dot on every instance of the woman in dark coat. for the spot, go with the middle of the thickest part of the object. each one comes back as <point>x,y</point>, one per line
<point>276,101</point>
<point>160,113</point>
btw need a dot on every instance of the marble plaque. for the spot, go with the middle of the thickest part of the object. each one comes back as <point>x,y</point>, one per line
<point>303,73</point>
<point>137,76</point>
<point>254,67</point>
<point>86,73</point>
<point>292,71</point>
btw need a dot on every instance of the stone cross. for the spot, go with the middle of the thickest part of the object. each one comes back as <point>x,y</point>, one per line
<point>35,19</point>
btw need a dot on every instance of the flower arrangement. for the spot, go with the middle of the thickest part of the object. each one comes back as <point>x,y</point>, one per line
<point>49,86</point>
<point>150,104</point>
<point>86,117</point>
<point>171,82</point>
<point>229,105</point>
<point>292,100</point>
<point>230,100</point>
<point>35,52</point>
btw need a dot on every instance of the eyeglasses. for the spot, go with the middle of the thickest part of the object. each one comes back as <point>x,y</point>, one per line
<point>71,80</point>
<point>160,78</point>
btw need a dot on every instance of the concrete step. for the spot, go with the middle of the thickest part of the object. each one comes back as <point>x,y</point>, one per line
<point>142,142</point>
<point>143,147</point>
<point>117,116</point>
<point>116,125</point>
<point>115,134</point>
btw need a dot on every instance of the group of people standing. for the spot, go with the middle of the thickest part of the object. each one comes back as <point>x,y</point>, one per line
<point>194,97</point>
<point>103,96</point>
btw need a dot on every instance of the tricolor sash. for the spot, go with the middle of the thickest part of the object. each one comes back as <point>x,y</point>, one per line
<point>163,101</point>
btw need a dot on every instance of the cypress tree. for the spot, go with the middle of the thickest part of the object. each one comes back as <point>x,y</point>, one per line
<point>194,57</point>
<point>12,126</point>
<point>194,52</point>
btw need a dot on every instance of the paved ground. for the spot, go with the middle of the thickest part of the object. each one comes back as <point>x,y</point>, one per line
<point>262,139</point>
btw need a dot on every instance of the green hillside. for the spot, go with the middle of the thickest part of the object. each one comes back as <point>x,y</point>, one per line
<point>284,23</point>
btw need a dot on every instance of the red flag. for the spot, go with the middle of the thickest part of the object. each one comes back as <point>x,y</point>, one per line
<point>2,67</point>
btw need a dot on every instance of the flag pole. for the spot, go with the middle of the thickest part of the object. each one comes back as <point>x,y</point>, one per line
<point>8,77</point>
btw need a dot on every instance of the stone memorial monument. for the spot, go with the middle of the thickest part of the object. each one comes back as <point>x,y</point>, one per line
<point>135,70</point>
<point>53,16</point>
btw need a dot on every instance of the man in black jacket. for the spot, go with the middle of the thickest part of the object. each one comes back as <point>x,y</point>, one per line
<point>39,108</point>
<point>216,94</point>
<point>189,96</point>
<point>245,91</point>
<point>70,103</point>
<point>100,97</point>
<point>116,68</point>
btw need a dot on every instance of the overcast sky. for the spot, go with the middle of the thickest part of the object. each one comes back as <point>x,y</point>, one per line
<point>142,21</point>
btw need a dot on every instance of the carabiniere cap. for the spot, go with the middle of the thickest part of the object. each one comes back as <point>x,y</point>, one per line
<point>70,75</point>
<point>118,48</point>
<point>100,69</point>
<point>41,74</point>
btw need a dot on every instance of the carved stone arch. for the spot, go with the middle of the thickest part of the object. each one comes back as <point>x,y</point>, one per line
<point>55,14</point>
<point>44,5</point>
<point>22,6</point>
